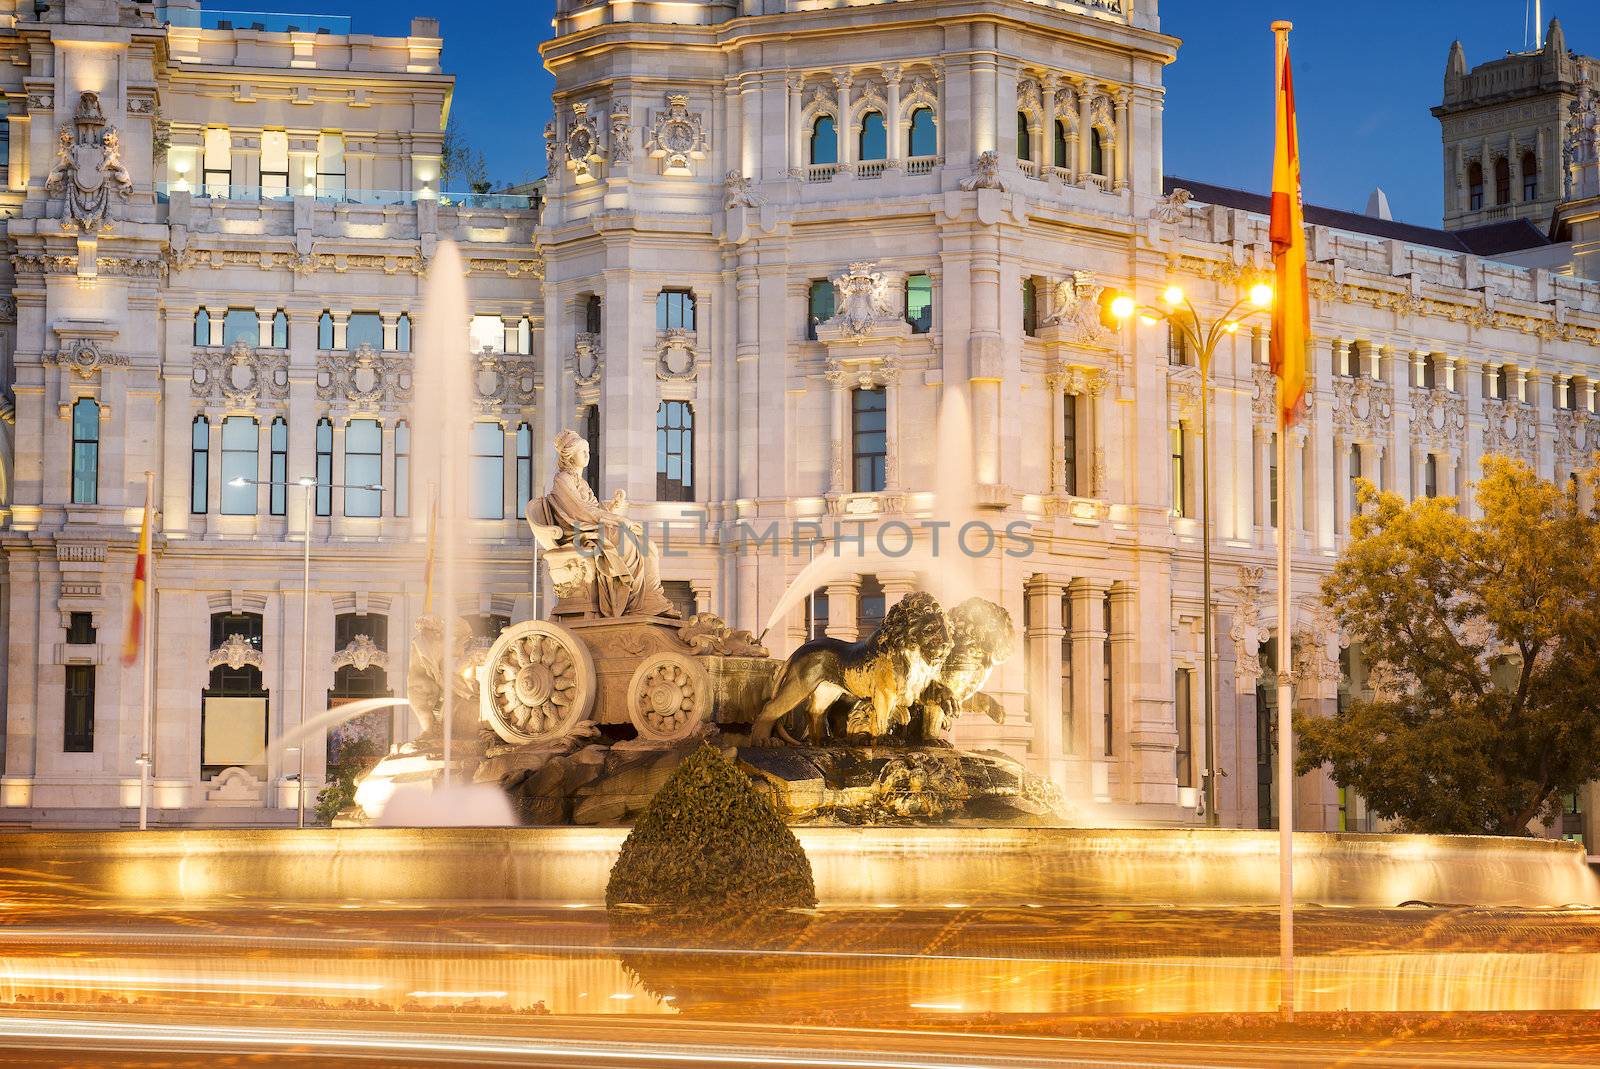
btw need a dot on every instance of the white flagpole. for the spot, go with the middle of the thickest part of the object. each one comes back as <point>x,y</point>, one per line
<point>1285,731</point>
<point>147,625</point>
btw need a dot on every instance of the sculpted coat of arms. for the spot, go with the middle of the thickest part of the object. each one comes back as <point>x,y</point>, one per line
<point>88,168</point>
<point>677,136</point>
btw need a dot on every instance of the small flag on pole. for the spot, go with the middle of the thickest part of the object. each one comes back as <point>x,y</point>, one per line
<point>1291,309</point>
<point>141,573</point>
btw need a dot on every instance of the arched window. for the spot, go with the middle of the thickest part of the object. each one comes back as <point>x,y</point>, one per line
<point>923,139</point>
<point>235,732</point>
<point>1097,153</point>
<point>1502,181</point>
<point>202,327</point>
<point>85,451</point>
<point>402,333</point>
<point>675,451</point>
<point>1530,176</point>
<point>324,466</point>
<point>824,140</point>
<point>363,466</point>
<point>1061,144</point>
<point>524,465</point>
<point>362,738</point>
<point>1024,142</point>
<point>199,466</point>
<point>402,468</point>
<point>819,306</point>
<point>1474,186</point>
<point>241,444</point>
<point>488,471</point>
<point>325,331</point>
<point>675,310</point>
<point>874,141</point>
<point>869,440</point>
<point>278,492</point>
<point>280,329</point>
<point>919,302</point>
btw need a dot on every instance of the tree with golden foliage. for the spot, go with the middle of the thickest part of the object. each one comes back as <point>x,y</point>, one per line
<point>1483,637</point>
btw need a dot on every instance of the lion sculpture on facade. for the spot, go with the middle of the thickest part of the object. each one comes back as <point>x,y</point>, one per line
<point>877,679</point>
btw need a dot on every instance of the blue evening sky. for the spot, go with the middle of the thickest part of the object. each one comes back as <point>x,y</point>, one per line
<point>1367,71</point>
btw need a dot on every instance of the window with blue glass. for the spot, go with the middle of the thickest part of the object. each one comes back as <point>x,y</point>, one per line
<point>240,465</point>
<point>524,465</point>
<point>363,467</point>
<point>488,471</point>
<point>874,141</point>
<point>241,325</point>
<point>202,327</point>
<point>824,140</point>
<point>675,451</point>
<point>199,466</point>
<point>85,451</point>
<point>919,302</point>
<point>869,442</point>
<point>675,310</point>
<point>324,466</point>
<point>819,306</point>
<point>278,492</point>
<point>280,329</point>
<point>923,137</point>
<point>364,328</point>
<point>402,333</point>
<point>325,330</point>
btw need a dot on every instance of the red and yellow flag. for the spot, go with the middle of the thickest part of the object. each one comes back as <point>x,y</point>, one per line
<point>141,572</point>
<point>1291,308</point>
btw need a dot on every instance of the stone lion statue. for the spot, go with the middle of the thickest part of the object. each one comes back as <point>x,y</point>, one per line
<point>981,637</point>
<point>884,674</point>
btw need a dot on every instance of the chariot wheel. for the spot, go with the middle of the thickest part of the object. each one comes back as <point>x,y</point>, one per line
<point>538,682</point>
<point>668,696</point>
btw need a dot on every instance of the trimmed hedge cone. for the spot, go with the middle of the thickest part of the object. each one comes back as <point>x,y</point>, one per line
<point>709,844</point>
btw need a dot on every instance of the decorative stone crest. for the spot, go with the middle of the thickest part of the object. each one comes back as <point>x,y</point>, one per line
<point>1171,208</point>
<point>1576,433</point>
<point>362,653</point>
<point>1512,428</point>
<point>239,375</point>
<point>1363,407</point>
<point>1247,631</point>
<point>1075,309</point>
<point>85,359</point>
<point>987,175</point>
<point>582,146</point>
<point>365,380</point>
<point>676,359</point>
<point>866,298</point>
<point>740,192</point>
<point>621,134</point>
<point>1438,418</point>
<point>678,136</point>
<point>236,652</point>
<point>88,169</point>
<point>503,380</point>
<point>587,360</point>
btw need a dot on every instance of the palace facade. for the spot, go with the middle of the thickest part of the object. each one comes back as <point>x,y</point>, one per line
<point>812,278</point>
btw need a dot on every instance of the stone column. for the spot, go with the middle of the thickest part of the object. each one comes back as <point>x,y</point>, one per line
<point>1056,432</point>
<point>891,78</point>
<point>839,407</point>
<point>843,595</point>
<point>1123,154</point>
<point>889,376</point>
<point>1043,645</point>
<point>847,156</point>
<point>797,135</point>
<point>1088,741</point>
<point>896,585</point>
<point>1086,93</point>
<point>1047,158</point>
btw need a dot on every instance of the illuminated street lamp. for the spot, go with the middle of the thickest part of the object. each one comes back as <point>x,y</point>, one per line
<point>308,484</point>
<point>1177,311</point>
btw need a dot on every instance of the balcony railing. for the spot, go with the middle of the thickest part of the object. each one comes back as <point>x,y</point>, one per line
<point>1099,181</point>
<point>921,164</point>
<point>821,172</point>
<point>871,168</point>
<point>1029,168</point>
<point>262,21</point>
<point>370,197</point>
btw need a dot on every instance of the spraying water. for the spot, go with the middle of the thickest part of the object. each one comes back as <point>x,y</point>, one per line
<point>333,717</point>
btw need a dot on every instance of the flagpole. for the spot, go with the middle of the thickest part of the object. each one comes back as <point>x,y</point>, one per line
<point>1280,30</point>
<point>146,759</point>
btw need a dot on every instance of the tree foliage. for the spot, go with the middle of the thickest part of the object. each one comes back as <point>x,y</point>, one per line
<point>708,844</point>
<point>1483,637</point>
<point>460,164</point>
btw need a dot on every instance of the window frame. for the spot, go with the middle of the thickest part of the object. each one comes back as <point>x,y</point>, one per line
<point>362,504</point>
<point>814,140</point>
<point>814,318</point>
<point>482,458</point>
<point>869,458</point>
<point>922,324</point>
<point>231,498</point>
<point>676,303</point>
<point>199,466</point>
<point>524,473</point>
<point>77,722</point>
<point>324,471</point>
<point>675,440</point>
<point>881,132</point>
<point>931,130</point>
<point>84,488</point>
<point>278,467</point>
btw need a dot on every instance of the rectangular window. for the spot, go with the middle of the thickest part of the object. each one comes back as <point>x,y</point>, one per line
<point>364,328</point>
<point>817,615</point>
<point>1272,482</point>
<point>919,303</point>
<point>1180,487</point>
<point>488,471</point>
<point>241,325</point>
<point>240,465</point>
<point>1430,476</point>
<point>487,332</point>
<point>402,468</point>
<point>591,314</point>
<point>870,606</point>
<point>279,490</point>
<point>330,166</point>
<point>85,451</point>
<point>280,329</point>
<point>1110,683</point>
<point>1030,307</point>
<point>80,629</point>
<point>274,164</point>
<point>199,466</point>
<point>79,727</point>
<point>1355,475</point>
<point>591,434</point>
<point>324,467</point>
<point>674,451</point>
<point>1069,716</point>
<point>1182,700</point>
<point>525,467</point>
<point>1430,377</point>
<point>218,166</point>
<point>869,445</point>
<point>363,466</point>
<point>325,330</point>
<point>819,306</point>
<point>1069,443</point>
<point>675,310</point>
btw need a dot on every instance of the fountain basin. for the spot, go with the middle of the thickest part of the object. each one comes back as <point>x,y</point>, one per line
<point>852,866</point>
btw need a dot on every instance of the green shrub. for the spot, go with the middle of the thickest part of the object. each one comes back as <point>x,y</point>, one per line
<point>709,844</point>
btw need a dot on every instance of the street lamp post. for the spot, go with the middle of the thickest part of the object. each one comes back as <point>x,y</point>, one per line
<point>1178,312</point>
<point>308,484</point>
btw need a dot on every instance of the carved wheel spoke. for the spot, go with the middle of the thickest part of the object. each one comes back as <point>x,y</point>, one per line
<point>543,683</point>
<point>668,697</point>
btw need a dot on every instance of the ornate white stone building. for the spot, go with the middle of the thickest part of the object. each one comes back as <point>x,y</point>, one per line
<point>811,277</point>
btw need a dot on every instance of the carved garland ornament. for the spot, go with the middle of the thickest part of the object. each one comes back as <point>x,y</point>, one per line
<point>677,136</point>
<point>538,683</point>
<point>236,652</point>
<point>365,380</point>
<point>85,359</point>
<point>362,653</point>
<point>240,375</point>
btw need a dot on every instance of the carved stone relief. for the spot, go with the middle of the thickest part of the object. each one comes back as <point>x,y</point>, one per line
<point>677,136</point>
<point>88,169</point>
<point>365,380</point>
<point>240,376</point>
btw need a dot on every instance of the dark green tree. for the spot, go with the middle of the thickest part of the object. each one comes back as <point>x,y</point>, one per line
<point>1483,637</point>
<point>708,844</point>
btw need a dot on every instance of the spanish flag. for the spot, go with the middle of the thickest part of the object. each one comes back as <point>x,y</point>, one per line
<point>1291,308</point>
<point>141,573</point>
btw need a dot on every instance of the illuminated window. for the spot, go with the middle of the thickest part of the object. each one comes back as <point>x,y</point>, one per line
<point>274,165</point>
<point>217,178</point>
<point>1180,474</point>
<point>363,466</point>
<point>330,166</point>
<point>487,332</point>
<point>241,444</point>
